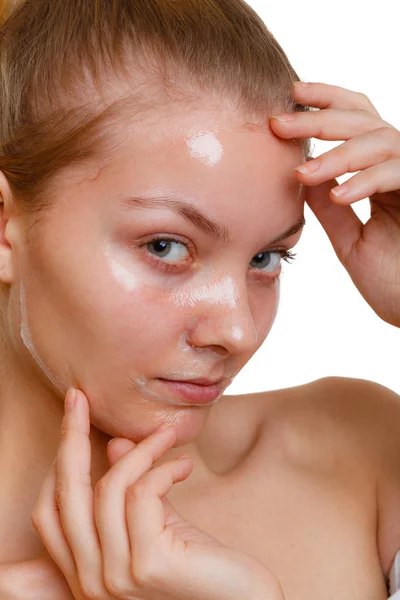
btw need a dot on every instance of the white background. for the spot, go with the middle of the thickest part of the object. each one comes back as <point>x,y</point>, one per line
<point>324,326</point>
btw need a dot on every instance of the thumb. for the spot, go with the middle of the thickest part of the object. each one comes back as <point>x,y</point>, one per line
<point>117,448</point>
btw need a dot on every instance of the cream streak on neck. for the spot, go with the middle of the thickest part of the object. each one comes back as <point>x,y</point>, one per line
<point>206,147</point>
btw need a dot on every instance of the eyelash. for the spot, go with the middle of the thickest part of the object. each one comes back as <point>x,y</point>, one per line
<point>286,255</point>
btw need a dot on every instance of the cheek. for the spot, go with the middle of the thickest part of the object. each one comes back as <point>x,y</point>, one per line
<point>264,307</point>
<point>81,317</point>
<point>142,320</point>
<point>136,317</point>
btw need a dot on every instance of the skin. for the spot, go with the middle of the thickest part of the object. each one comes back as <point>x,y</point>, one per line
<point>100,314</point>
<point>381,467</point>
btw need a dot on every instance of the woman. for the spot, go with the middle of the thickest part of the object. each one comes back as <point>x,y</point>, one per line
<point>148,197</point>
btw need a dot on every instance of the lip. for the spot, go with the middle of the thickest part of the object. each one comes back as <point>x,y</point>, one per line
<point>195,391</point>
<point>200,381</point>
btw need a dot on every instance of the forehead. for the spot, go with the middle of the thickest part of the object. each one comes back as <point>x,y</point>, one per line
<point>210,146</point>
<point>226,166</point>
<point>172,124</point>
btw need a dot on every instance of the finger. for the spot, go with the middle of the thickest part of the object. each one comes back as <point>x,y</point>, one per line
<point>46,520</point>
<point>75,496</point>
<point>329,124</point>
<point>145,510</point>
<point>117,448</point>
<point>341,224</point>
<point>109,505</point>
<point>358,153</point>
<point>323,95</point>
<point>379,179</point>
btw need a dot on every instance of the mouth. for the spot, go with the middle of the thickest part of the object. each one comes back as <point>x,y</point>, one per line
<point>195,391</point>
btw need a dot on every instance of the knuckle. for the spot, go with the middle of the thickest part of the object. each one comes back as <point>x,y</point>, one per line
<point>64,432</point>
<point>91,590</point>
<point>151,570</point>
<point>146,573</point>
<point>117,585</point>
<point>61,490</point>
<point>367,113</point>
<point>389,133</point>
<point>102,486</point>
<point>366,102</point>
<point>390,141</point>
<point>137,491</point>
<point>364,99</point>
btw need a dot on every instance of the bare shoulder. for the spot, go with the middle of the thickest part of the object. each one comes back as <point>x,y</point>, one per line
<point>348,429</point>
<point>336,413</point>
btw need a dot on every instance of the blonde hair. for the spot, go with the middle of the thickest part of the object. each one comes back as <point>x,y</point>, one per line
<point>59,60</point>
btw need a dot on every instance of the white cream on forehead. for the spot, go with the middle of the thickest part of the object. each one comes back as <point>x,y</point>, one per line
<point>206,147</point>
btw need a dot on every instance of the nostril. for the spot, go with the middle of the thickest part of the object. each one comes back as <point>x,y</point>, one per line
<point>218,350</point>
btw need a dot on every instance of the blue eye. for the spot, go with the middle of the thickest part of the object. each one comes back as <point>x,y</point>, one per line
<point>170,250</point>
<point>172,255</point>
<point>263,259</point>
<point>266,259</point>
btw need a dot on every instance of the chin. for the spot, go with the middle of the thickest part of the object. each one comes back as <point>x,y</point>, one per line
<point>188,421</point>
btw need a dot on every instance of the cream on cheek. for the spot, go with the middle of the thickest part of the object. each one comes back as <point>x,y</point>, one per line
<point>27,340</point>
<point>121,274</point>
<point>129,281</point>
<point>220,292</point>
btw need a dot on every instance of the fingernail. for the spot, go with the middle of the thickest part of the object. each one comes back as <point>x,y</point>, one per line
<point>283,117</point>
<point>70,400</point>
<point>340,190</point>
<point>310,167</point>
<point>301,84</point>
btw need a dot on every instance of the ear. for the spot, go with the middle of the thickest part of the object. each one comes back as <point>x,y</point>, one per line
<point>9,231</point>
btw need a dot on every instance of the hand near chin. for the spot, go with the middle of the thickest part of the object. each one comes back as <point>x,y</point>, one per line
<point>370,252</point>
<point>124,540</point>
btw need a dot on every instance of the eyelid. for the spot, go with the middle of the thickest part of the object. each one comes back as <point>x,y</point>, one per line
<point>171,268</point>
<point>168,238</point>
<point>185,242</point>
<point>285,245</point>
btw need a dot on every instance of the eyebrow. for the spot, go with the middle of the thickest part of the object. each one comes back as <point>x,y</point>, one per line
<point>192,214</point>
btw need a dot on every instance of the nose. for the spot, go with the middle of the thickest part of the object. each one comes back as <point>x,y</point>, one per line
<point>221,318</point>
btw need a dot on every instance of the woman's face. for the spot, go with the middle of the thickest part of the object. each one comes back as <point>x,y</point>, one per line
<point>124,283</point>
